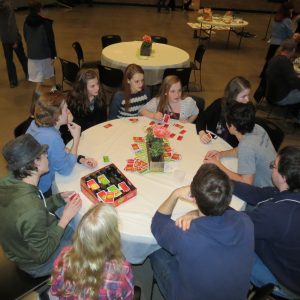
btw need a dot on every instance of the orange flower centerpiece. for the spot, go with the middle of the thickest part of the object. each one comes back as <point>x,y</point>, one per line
<point>146,46</point>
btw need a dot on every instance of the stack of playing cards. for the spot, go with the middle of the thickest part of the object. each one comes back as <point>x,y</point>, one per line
<point>136,165</point>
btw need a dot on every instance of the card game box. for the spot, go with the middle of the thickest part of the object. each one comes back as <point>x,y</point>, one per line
<point>108,185</point>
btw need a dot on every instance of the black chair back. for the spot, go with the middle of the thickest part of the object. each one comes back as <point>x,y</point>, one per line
<point>182,73</point>
<point>275,133</point>
<point>69,71</point>
<point>110,39</point>
<point>110,76</point>
<point>78,49</point>
<point>159,39</point>
<point>199,54</point>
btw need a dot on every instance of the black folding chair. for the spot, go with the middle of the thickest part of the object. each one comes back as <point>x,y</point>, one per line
<point>275,133</point>
<point>111,78</point>
<point>81,63</point>
<point>159,39</point>
<point>69,71</point>
<point>197,63</point>
<point>182,73</point>
<point>110,39</point>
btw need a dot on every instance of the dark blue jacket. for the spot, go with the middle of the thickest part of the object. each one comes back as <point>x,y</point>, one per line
<point>276,219</point>
<point>213,259</point>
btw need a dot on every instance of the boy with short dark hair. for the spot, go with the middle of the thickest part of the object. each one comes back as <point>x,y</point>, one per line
<point>254,152</point>
<point>213,258</point>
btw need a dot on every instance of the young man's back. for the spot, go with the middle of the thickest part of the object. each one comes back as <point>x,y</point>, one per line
<point>215,255</point>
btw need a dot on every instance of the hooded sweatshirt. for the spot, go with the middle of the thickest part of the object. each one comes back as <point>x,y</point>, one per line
<point>8,27</point>
<point>39,36</point>
<point>29,234</point>
<point>212,260</point>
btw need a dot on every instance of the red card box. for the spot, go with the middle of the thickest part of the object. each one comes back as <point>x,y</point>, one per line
<point>114,175</point>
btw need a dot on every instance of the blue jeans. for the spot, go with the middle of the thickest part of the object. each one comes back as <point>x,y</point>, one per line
<point>46,268</point>
<point>160,262</point>
<point>11,68</point>
<point>292,98</point>
<point>261,275</point>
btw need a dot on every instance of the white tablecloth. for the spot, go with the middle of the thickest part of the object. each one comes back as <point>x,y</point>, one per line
<point>163,56</point>
<point>152,188</point>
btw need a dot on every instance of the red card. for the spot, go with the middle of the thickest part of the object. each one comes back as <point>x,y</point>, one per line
<point>110,197</point>
<point>135,147</point>
<point>172,135</point>
<point>73,196</point>
<point>166,118</point>
<point>107,125</point>
<point>182,131</point>
<point>138,139</point>
<point>124,187</point>
<point>176,156</point>
<point>101,196</point>
<point>133,120</point>
<point>179,126</point>
<point>92,184</point>
<point>180,137</point>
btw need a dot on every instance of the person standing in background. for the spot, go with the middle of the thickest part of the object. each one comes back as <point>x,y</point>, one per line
<point>41,50</point>
<point>11,41</point>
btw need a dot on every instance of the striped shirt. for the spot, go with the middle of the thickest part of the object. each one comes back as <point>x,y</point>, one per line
<point>138,100</point>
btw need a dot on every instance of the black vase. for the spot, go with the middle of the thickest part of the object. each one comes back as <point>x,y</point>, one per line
<point>145,49</point>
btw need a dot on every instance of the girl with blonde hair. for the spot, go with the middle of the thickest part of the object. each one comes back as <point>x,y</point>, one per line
<point>94,267</point>
<point>170,101</point>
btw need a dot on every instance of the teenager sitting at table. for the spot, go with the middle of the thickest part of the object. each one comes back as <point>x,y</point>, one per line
<point>255,151</point>
<point>133,95</point>
<point>30,233</point>
<point>51,112</point>
<point>171,101</point>
<point>213,259</point>
<point>94,267</point>
<point>213,117</point>
<point>85,102</point>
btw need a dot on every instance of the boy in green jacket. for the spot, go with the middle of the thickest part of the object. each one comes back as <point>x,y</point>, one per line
<point>30,233</point>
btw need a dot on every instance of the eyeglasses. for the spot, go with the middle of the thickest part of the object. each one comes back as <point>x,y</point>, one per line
<point>273,165</point>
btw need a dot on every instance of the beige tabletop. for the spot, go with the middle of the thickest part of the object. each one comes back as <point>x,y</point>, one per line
<point>153,188</point>
<point>163,56</point>
<point>223,21</point>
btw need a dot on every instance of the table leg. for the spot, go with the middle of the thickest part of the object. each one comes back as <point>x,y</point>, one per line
<point>195,36</point>
<point>228,37</point>
<point>241,36</point>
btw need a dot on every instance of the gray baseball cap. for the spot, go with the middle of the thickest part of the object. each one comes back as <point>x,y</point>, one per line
<point>22,150</point>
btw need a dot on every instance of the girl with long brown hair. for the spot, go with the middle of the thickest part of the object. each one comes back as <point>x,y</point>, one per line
<point>133,95</point>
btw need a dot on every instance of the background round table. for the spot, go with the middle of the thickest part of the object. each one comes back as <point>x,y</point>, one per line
<point>163,56</point>
<point>136,214</point>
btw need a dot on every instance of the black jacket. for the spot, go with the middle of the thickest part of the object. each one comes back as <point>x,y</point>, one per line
<point>39,36</point>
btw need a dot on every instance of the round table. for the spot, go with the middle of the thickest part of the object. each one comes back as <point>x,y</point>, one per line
<point>222,23</point>
<point>136,214</point>
<point>163,56</point>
